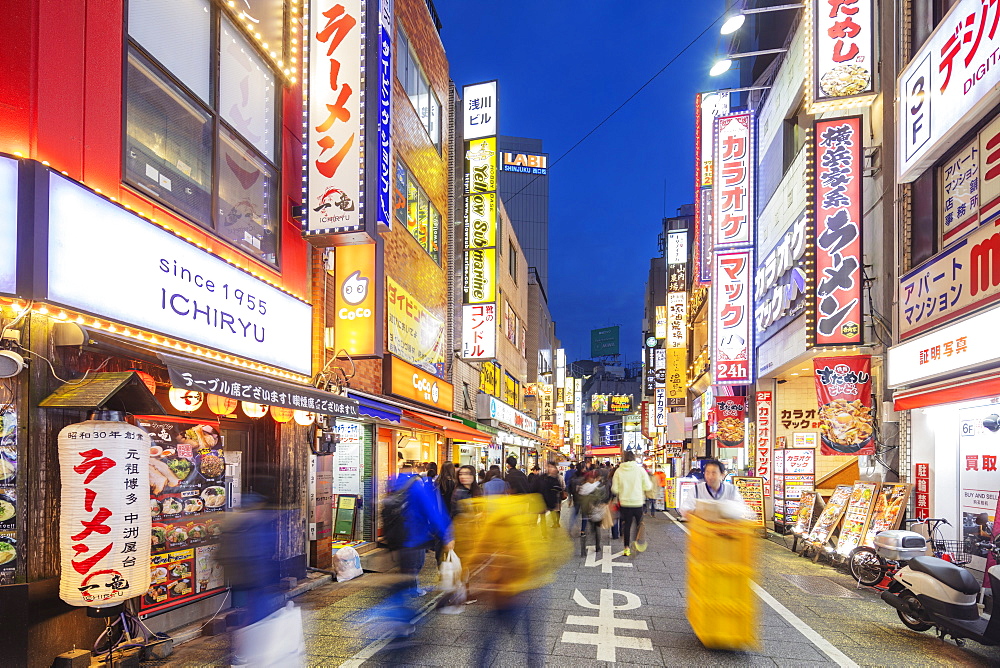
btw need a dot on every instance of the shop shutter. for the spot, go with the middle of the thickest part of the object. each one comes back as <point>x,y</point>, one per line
<point>368,485</point>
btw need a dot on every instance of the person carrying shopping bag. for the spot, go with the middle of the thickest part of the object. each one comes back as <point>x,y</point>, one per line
<point>630,484</point>
<point>592,498</point>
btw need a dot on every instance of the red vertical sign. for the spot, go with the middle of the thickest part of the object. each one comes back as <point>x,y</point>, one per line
<point>922,474</point>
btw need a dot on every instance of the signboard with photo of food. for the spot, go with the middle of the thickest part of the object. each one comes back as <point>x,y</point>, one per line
<point>752,491</point>
<point>804,518</point>
<point>888,512</point>
<point>186,494</point>
<point>830,517</point>
<point>8,496</point>
<point>859,508</point>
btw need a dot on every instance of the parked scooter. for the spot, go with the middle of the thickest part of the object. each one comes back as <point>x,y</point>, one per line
<point>932,593</point>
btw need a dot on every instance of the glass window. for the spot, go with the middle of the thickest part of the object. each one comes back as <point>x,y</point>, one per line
<point>168,143</point>
<point>418,89</point>
<point>179,35</point>
<point>248,197</point>
<point>423,221</point>
<point>246,90</point>
<point>399,193</point>
<point>434,119</point>
<point>411,205</point>
<point>422,218</point>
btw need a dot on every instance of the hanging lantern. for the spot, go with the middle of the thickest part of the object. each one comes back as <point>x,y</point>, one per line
<point>282,415</point>
<point>253,410</point>
<point>104,524</point>
<point>147,380</point>
<point>186,401</point>
<point>304,418</point>
<point>221,405</point>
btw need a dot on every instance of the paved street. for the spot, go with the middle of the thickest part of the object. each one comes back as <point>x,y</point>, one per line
<point>630,611</point>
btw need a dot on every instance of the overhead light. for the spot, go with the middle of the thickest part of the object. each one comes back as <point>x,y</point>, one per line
<point>733,23</point>
<point>11,363</point>
<point>720,67</point>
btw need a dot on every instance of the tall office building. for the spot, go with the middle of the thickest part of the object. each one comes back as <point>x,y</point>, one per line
<point>524,189</point>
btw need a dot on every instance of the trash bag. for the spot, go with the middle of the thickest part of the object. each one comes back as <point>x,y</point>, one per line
<point>348,564</point>
<point>276,640</point>
<point>450,571</point>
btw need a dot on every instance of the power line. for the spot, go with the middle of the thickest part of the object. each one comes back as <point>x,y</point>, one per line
<point>627,100</point>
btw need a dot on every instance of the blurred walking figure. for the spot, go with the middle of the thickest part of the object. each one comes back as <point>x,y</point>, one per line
<point>715,488</point>
<point>550,486</point>
<point>630,484</point>
<point>518,559</point>
<point>516,480</point>
<point>659,479</point>
<point>495,483</point>
<point>592,500</point>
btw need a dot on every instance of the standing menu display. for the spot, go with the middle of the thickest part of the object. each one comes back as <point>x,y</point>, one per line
<point>794,473</point>
<point>804,518</point>
<point>187,496</point>
<point>8,496</point>
<point>830,517</point>
<point>859,509</point>
<point>888,512</point>
<point>752,490</point>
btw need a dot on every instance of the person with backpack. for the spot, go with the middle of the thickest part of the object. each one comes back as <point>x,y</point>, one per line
<point>550,487</point>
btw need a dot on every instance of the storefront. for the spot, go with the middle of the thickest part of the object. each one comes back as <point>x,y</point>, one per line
<point>517,431</point>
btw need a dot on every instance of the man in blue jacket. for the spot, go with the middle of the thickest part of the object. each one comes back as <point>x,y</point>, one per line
<point>425,519</point>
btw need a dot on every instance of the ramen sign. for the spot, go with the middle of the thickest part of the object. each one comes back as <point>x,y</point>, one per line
<point>844,394</point>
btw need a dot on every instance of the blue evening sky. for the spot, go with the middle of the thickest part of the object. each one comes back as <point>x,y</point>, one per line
<point>562,67</point>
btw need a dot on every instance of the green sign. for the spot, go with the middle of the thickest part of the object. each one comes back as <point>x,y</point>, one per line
<point>604,341</point>
<point>343,523</point>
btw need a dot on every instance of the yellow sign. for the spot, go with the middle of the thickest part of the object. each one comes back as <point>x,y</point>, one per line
<point>510,391</point>
<point>481,165</point>
<point>415,334</point>
<point>480,276</point>
<point>676,373</point>
<point>355,320</point>
<point>489,378</point>
<point>660,329</point>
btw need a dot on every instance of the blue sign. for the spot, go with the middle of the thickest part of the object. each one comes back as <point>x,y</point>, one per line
<point>384,120</point>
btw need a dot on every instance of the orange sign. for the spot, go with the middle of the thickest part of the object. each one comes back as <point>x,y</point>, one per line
<point>355,318</point>
<point>411,382</point>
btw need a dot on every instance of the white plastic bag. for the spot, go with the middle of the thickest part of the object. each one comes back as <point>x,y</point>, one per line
<point>276,640</point>
<point>450,571</point>
<point>348,564</point>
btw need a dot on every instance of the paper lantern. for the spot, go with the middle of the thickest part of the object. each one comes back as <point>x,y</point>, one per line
<point>104,522</point>
<point>282,414</point>
<point>304,418</point>
<point>253,410</point>
<point>186,401</point>
<point>221,405</point>
<point>147,380</point>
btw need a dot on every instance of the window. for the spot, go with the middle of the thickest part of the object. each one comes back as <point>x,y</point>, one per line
<point>201,119</point>
<point>414,209</point>
<point>795,137</point>
<point>512,261</point>
<point>417,88</point>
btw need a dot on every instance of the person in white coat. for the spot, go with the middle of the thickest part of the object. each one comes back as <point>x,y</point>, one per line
<point>715,488</point>
<point>630,484</point>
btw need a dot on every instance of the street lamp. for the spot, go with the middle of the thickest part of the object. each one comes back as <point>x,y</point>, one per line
<point>723,65</point>
<point>735,21</point>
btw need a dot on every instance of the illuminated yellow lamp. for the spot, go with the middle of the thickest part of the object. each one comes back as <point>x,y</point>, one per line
<point>252,410</point>
<point>304,418</point>
<point>281,414</point>
<point>221,405</point>
<point>186,401</point>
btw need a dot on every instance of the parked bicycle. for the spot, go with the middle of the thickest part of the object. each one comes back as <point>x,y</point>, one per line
<point>874,567</point>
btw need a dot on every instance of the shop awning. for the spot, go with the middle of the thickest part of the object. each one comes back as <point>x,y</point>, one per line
<point>221,380</point>
<point>452,428</point>
<point>978,386</point>
<point>376,409</point>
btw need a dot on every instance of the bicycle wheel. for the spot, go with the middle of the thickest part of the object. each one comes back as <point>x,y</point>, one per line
<point>867,567</point>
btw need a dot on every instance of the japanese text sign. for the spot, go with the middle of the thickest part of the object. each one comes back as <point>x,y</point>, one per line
<point>844,394</point>
<point>335,116</point>
<point>837,216</point>
<point>416,333</point>
<point>765,424</point>
<point>947,86</point>
<point>385,113</point>
<point>105,524</point>
<point>660,407</point>
<point>357,319</point>
<point>479,104</point>
<point>479,331</point>
<point>844,42</point>
<point>728,421</point>
<point>733,188</point>
<point>731,330</point>
<point>958,181</point>
<point>410,382</point>
<point>922,475</point>
<point>780,282</point>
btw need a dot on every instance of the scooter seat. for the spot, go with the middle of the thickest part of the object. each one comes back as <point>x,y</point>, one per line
<point>946,572</point>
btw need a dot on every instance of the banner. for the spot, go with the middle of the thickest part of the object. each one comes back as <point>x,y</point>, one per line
<point>765,422</point>
<point>732,342</point>
<point>729,421</point>
<point>844,395</point>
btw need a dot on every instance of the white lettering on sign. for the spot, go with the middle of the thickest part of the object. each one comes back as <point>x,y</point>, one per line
<point>606,638</point>
<point>427,389</point>
<point>607,561</point>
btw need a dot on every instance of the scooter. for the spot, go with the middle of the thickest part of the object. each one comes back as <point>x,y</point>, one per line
<point>932,593</point>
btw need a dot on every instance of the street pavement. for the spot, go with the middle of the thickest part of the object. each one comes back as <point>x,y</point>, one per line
<point>608,608</point>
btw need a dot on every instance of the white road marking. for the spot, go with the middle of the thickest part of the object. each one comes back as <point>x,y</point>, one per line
<point>607,561</point>
<point>821,643</point>
<point>606,639</point>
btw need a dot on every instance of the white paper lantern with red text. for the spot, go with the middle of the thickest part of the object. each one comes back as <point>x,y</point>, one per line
<point>253,410</point>
<point>104,524</point>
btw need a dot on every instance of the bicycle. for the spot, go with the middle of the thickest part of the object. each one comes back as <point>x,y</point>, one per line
<point>871,569</point>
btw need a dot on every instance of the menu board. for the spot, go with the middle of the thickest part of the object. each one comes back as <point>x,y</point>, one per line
<point>859,508</point>
<point>752,490</point>
<point>8,496</point>
<point>794,474</point>
<point>187,496</point>
<point>804,518</point>
<point>888,512</point>
<point>668,492</point>
<point>830,517</point>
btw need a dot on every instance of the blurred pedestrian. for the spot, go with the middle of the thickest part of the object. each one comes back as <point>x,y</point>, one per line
<point>550,486</point>
<point>432,472</point>
<point>715,488</point>
<point>659,479</point>
<point>630,484</point>
<point>482,476</point>
<point>592,499</point>
<point>536,473</point>
<point>516,480</point>
<point>446,483</point>
<point>495,483</point>
<point>464,513</point>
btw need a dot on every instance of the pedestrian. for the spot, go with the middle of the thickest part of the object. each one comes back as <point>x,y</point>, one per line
<point>446,483</point>
<point>464,515</point>
<point>536,473</point>
<point>659,483</point>
<point>516,480</point>
<point>630,484</point>
<point>466,488</point>
<point>432,472</point>
<point>482,476</point>
<point>572,488</point>
<point>714,488</point>
<point>495,484</point>
<point>550,486</point>
<point>592,498</point>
